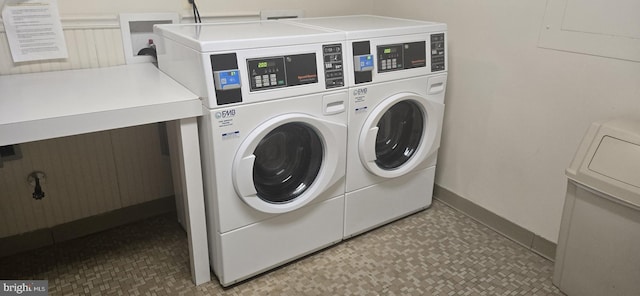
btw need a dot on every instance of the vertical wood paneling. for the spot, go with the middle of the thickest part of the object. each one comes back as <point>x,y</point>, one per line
<point>80,182</point>
<point>10,206</point>
<point>72,49</point>
<point>82,47</point>
<point>102,47</point>
<point>58,209</point>
<point>144,173</point>
<point>91,48</point>
<point>41,214</point>
<point>87,48</point>
<point>116,54</point>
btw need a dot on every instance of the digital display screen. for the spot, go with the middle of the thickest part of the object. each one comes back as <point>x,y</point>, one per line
<point>265,64</point>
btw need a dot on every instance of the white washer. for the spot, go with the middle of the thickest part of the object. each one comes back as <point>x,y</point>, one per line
<point>273,137</point>
<point>397,80</point>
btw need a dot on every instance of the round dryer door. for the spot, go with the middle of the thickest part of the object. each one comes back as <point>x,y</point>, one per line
<point>287,162</point>
<point>399,134</point>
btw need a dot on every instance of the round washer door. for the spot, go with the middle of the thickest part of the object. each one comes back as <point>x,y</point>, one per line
<point>286,162</point>
<point>399,134</point>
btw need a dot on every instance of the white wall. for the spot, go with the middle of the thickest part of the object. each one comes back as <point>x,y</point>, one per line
<point>515,113</point>
<point>209,7</point>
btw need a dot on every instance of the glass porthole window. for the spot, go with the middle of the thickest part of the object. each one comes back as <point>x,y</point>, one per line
<point>400,130</point>
<point>287,162</point>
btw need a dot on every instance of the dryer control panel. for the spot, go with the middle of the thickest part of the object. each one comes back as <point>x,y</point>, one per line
<point>282,71</point>
<point>394,57</point>
<point>296,71</point>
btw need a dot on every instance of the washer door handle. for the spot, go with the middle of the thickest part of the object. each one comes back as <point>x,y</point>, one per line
<point>370,144</point>
<point>244,176</point>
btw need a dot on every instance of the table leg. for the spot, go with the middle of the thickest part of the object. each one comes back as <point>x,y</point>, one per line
<point>191,192</point>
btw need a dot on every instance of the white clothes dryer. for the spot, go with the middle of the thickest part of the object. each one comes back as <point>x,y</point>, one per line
<point>273,137</point>
<point>397,78</point>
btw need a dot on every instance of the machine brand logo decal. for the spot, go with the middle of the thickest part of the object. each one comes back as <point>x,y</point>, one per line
<point>225,117</point>
<point>360,91</point>
<point>226,113</point>
<point>359,95</point>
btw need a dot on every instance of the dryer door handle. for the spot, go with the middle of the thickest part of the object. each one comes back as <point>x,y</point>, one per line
<point>244,176</point>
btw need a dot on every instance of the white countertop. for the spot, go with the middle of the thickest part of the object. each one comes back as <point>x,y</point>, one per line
<point>47,105</point>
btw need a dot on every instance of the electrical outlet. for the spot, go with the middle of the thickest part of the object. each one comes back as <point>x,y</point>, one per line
<point>10,152</point>
<point>137,30</point>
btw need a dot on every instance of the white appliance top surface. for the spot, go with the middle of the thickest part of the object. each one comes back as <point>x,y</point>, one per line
<point>228,36</point>
<point>368,26</point>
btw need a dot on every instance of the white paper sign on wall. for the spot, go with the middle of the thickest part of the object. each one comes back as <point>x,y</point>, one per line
<point>34,30</point>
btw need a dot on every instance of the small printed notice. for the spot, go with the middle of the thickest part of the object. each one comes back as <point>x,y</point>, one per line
<point>34,30</point>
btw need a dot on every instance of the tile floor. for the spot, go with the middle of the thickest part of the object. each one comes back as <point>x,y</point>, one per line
<point>435,252</point>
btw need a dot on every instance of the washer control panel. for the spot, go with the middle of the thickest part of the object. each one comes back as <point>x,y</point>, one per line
<point>282,71</point>
<point>394,57</point>
<point>437,52</point>
<point>267,73</point>
<point>333,67</point>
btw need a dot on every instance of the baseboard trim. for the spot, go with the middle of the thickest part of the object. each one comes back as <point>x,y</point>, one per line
<point>79,228</point>
<point>85,226</point>
<point>510,230</point>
